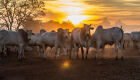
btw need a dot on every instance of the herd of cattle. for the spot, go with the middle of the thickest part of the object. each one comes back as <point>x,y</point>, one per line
<point>132,40</point>
<point>68,41</point>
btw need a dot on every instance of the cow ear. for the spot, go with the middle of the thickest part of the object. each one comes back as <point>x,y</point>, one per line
<point>60,29</point>
<point>91,27</point>
<point>90,24</point>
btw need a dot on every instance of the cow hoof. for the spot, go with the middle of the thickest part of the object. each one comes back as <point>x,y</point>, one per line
<point>116,58</point>
<point>95,58</point>
<point>82,57</point>
<point>122,58</point>
<point>86,57</point>
<point>44,58</point>
<point>23,57</point>
<point>102,58</point>
<point>5,55</point>
<point>19,60</point>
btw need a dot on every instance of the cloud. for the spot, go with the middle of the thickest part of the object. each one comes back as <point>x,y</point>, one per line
<point>114,3</point>
<point>112,9</point>
<point>53,15</point>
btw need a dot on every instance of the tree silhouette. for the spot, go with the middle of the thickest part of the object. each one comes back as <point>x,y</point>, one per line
<point>13,13</point>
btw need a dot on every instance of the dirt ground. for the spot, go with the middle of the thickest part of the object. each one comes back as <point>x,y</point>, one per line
<point>61,68</point>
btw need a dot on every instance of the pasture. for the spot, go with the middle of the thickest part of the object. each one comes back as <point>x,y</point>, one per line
<point>34,67</point>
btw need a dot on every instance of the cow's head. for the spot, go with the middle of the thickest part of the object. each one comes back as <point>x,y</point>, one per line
<point>66,33</point>
<point>86,29</point>
<point>25,35</point>
<point>100,27</point>
<point>53,31</point>
<point>60,33</point>
<point>30,33</point>
<point>60,30</point>
<point>42,31</point>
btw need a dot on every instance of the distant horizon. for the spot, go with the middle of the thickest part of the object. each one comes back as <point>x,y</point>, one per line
<point>54,25</point>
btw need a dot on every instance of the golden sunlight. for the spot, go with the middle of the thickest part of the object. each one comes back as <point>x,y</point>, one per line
<point>66,64</point>
<point>76,19</point>
<point>74,11</point>
<point>69,10</point>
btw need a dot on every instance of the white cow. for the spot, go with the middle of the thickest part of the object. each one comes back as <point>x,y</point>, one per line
<point>80,37</point>
<point>63,41</point>
<point>42,31</point>
<point>54,39</point>
<point>110,36</point>
<point>36,40</point>
<point>48,39</point>
<point>13,38</point>
<point>127,40</point>
<point>135,36</point>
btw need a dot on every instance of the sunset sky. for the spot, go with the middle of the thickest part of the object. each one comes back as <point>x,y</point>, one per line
<point>93,11</point>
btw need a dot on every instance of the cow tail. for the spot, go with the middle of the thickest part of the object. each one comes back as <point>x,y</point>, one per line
<point>122,40</point>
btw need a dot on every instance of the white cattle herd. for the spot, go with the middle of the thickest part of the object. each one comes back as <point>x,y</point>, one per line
<point>132,40</point>
<point>68,41</point>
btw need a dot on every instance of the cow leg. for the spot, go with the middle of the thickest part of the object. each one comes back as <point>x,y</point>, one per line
<point>51,51</point>
<point>23,56</point>
<point>38,50</point>
<point>116,49</point>
<point>5,51</point>
<point>55,50</point>
<point>103,52</point>
<point>97,48</point>
<point>20,52</point>
<point>82,51</point>
<point>16,50</point>
<point>0,52</point>
<point>60,51</point>
<point>76,50</point>
<point>44,51</point>
<point>65,51</point>
<point>87,52</point>
<point>122,49</point>
<point>131,43</point>
<point>70,52</point>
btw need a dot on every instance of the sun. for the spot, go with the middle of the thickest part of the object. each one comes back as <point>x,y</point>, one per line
<point>76,19</point>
